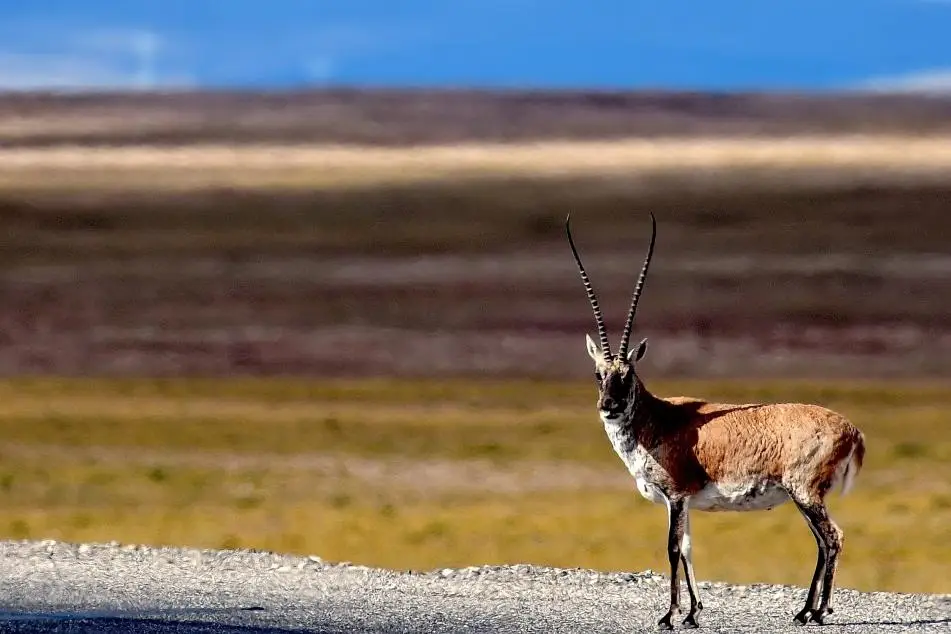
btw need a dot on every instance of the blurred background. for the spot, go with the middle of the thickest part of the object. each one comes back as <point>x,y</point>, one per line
<point>293,276</point>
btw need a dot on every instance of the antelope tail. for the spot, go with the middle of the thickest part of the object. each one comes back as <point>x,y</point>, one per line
<point>854,465</point>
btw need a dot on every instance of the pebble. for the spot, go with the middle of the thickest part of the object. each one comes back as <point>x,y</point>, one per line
<point>522,597</point>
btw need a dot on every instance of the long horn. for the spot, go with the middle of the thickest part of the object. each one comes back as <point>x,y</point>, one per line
<point>602,331</point>
<point>626,335</point>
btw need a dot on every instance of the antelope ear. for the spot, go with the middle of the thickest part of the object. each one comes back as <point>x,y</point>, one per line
<point>593,350</point>
<point>638,353</point>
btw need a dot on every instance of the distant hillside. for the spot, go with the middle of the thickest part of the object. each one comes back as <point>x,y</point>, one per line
<point>392,117</point>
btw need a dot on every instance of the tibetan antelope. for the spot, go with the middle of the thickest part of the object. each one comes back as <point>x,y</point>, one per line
<point>687,453</point>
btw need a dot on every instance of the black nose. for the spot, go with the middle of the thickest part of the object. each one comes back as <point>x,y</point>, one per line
<point>608,404</point>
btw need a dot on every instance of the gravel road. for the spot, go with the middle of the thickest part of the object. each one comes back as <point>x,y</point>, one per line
<point>58,587</point>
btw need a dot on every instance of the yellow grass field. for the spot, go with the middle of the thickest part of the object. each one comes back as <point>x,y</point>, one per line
<point>706,161</point>
<point>425,474</point>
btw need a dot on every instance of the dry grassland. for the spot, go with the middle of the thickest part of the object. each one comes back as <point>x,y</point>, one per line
<point>717,162</point>
<point>443,473</point>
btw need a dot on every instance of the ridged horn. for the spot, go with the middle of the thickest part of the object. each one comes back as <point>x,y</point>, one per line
<point>602,330</point>
<point>626,335</point>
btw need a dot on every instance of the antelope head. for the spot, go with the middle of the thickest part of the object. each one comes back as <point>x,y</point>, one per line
<point>615,375</point>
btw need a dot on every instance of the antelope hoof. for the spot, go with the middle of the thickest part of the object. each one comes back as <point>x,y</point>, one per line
<point>665,623</point>
<point>803,616</point>
<point>818,616</point>
<point>691,620</point>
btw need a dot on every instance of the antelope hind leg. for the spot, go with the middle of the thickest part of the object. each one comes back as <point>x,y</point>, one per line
<point>816,517</point>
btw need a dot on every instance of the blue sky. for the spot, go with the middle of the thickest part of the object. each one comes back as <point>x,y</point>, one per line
<point>678,44</point>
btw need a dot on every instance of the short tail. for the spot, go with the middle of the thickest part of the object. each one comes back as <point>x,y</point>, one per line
<point>854,464</point>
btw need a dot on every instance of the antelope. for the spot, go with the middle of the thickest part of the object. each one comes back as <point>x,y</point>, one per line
<point>688,453</point>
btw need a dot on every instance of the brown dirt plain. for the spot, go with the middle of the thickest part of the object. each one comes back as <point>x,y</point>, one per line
<point>752,276</point>
<point>406,117</point>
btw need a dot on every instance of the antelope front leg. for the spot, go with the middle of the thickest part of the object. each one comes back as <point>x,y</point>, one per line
<point>685,557</point>
<point>677,518</point>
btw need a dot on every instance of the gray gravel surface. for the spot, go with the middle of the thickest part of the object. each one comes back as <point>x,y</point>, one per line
<point>58,587</point>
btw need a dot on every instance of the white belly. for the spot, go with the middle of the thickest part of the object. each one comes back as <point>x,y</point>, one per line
<point>755,495</point>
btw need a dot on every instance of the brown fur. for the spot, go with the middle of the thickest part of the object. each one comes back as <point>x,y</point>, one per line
<point>800,445</point>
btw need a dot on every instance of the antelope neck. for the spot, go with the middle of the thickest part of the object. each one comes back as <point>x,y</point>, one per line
<point>634,425</point>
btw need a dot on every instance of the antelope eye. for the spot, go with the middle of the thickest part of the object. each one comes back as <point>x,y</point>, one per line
<point>597,376</point>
